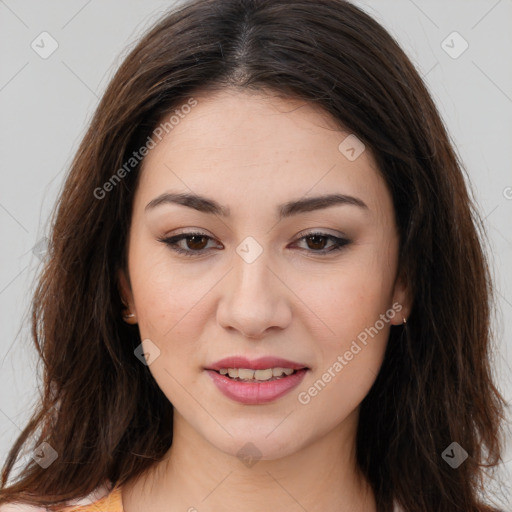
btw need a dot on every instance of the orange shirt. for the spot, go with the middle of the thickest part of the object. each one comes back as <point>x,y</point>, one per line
<point>111,502</point>
<point>102,499</point>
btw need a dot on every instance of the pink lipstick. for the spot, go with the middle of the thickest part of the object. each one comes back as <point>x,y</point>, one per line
<point>256,381</point>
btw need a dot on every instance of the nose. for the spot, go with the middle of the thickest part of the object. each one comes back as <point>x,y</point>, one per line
<point>254,299</point>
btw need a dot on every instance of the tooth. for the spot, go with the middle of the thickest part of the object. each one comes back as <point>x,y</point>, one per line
<point>244,373</point>
<point>263,374</point>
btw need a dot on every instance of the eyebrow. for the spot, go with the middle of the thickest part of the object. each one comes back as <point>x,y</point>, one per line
<point>207,205</point>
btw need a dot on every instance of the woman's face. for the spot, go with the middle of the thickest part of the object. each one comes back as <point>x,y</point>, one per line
<point>274,274</point>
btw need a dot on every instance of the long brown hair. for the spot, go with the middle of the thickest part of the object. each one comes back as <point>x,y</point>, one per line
<point>102,411</point>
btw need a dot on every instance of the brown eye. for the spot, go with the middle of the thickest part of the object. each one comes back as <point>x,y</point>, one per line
<point>197,242</point>
<point>188,244</point>
<point>317,242</point>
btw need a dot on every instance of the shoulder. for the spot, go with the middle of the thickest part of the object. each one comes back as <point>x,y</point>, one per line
<point>105,496</point>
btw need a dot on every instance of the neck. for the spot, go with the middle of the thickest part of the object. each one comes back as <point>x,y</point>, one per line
<point>195,476</point>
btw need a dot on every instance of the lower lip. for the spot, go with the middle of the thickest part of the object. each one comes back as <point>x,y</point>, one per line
<point>254,393</point>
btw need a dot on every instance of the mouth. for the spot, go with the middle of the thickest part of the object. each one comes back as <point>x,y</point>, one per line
<point>258,381</point>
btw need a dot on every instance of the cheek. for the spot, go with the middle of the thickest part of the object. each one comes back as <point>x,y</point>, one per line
<point>351,345</point>
<point>171,313</point>
<point>351,350</point>
<point>348,299</point>
<point>169,304</point>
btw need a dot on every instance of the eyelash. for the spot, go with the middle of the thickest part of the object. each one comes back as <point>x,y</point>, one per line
<point>339,243</point>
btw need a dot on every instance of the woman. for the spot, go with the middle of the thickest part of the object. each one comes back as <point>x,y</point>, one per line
<point>266,287</point>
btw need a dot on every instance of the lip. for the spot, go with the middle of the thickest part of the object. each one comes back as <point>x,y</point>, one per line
<point>256,364</point>
<point>254,393</point>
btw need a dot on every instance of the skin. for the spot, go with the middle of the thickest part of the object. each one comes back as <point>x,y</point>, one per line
<point>251,152</point>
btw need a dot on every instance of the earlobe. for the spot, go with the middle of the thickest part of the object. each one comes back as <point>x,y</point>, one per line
<point>128,313</point>
<point>402,302</point>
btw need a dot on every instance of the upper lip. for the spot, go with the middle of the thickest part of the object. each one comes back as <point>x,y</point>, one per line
<point>255,364</point>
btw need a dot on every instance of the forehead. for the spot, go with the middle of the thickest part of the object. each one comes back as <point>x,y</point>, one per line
<point>239,145</point>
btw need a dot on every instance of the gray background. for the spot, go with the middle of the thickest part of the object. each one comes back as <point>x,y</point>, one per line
<point>46,105</point>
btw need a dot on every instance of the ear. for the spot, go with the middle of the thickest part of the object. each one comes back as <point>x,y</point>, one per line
<point>125,290</point>
<point>402,300</point>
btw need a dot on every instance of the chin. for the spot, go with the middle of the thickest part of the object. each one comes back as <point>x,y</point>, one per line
<point>267,440</point>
